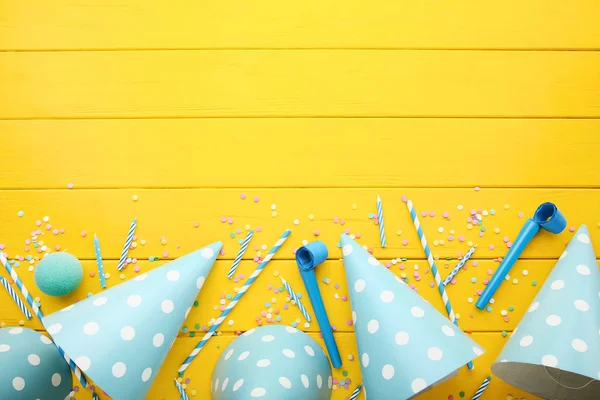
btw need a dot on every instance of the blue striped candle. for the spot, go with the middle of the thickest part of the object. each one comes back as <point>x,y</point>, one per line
<point>459,266</point>
<point>482,388</point>
<point>233,302</point>
<point>356,392</point>
<point>99,262</point>
<point>38,313</point>
<point>127,245</point>
<point>434,270</point>
<point>181,390</point>
<point>294,296</point>
<point>16,298</point>
<point>381,224</point>
<point>240,254</point>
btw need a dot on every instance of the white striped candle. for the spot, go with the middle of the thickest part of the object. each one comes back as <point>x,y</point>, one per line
<point>459,266</point>
<point>381,224</point>
<point>127,245</point>
<point>482,388</point>
<point>356,392</point>
<point>16,298</point>
<point>240,254</point>
<point>294,296</point>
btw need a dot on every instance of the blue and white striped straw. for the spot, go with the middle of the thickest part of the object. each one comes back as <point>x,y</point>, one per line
<point>233,302</point>
<point>434,270</point>
<point>99,262</point>
<point>482,388</point>
<point>182,392</point>
<point>16,298</point>
<point>459,266</point>
<point>381,224</point>
<point>127,244</point>
<point>294,296</point>
<point>240,254</point>
<point>38,313</point>
<point>356,392</point>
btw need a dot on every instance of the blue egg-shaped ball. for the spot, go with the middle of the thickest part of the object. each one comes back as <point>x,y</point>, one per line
<point>58,274</point>
<point>272,362</point>
<point>31,367</point>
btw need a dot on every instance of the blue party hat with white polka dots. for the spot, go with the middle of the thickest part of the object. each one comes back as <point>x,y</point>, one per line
<point>555,350</point>
<point>405,345</point>
<point>120,337</point>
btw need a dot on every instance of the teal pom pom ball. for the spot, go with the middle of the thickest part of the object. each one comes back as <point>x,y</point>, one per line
<point>58,274</point>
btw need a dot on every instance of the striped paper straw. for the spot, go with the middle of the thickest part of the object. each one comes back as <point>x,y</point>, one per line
<point>459,265</point>
<point>482,388</point>
<point>235,300</point>
<point>38,313</point>
<point>434,270</point>
<point>240,254</point>
<point>381,224</point>
<point>296,299</point>
<point>99,262</point>
<point>127,244</point>
<point>356,392</point>
<point>16,298</point>
<point>182,392</point>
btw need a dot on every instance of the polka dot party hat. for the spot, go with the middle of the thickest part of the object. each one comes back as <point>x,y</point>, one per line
<point>555,350</point>
<point>120,337</point>
<point>405,345</point>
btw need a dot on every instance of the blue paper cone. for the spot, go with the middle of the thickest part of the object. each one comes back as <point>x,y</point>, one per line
<point>405,345</point>
<point>120,337</point>
<point>555,350</point>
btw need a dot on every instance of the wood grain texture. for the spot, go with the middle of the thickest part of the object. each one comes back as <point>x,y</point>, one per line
<point>128,24</point>
<point>345,83</point>
<point>378,152</point>
<point>171,213</point>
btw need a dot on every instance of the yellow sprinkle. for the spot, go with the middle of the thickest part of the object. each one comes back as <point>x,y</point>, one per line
<point>134,244</point>
<point>350,357</point>
<point>135,197</point>
<point>247,227</point>
<point>335,387</point>
<point>274,213</point>
<point>452,231</point>
<point>143,242</point>
<point>179,380</point>
<point>193,392</point>
<point>276,273</point>
<point>273,300</point>
<point>293,302</point>
<point>398,232</point>
<point>469,226</point>
<point>163,241</point>
<point>41,243</point>
<point>184,386</point>
<point>497,230</point>
<point>122,276</point>
<point>403,275</point>
<point>311,217</point>
<point>297,320</point>
<point>435,242</point>
<point>441,229</point>
<point>470,244</point>
<point>442,242</point>
<point>264,247</point>
<point>354,206</point>
<point>107,275</point>
<point>296,222</point>
<point>287,299</point>
<point>273,207</point>
<point>37,299</point>
<point>21,322</point>
<point>506,206</point>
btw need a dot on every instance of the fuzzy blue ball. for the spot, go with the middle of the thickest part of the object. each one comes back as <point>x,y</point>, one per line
<point>58,274</point>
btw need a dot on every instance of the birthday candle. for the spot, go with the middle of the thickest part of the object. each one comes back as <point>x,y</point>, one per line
<point>233,302</point>
<point>182,392</point>
<point>459,265</point>
<point>16,298</point>
<point>296,299</point>
<point>127,244</point>
<point>99,261</point>
<point>240,254</point>
<point>482,388</point>
<point>381,225</point>
<point>356,392</point>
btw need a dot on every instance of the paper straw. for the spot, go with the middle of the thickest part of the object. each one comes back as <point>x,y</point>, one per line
<point>459,265</point>
<point>182,392</point>
<point>434,270</point>
<point>240,254</point>
<point>38,313</point>
<point>482,388</point>
<point>95,396</point>
<point>233,302</point>
<point>16,298</point>
<point>356,392</point>
<point>381,225</point>
<point>99,262</point>
<point>296,299</point>
<point>127,244</point>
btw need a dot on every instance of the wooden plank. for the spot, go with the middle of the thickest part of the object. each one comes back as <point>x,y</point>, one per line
<point>244,316</point>
<point>172,213</point>
<point>381,150</point>
<point>129,24</point>
<point>312,83</point>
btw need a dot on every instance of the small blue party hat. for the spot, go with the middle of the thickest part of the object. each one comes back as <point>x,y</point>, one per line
<point>555,350</point>
<point>120,337</point>
<point>405,345</point>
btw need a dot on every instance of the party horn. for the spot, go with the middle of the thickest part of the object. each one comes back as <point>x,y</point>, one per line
<point>548,217</point>
<point>307,258</point>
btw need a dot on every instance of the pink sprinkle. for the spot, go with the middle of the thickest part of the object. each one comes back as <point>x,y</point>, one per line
<point>285,306</point>
<point>485,281</point>
<point>349,322</point>
<point>270,286</point>
<point>55,231</point>
<point>520,215</point>
<point>166,254</point>
<point>276,290</point>
<point>223,219</point>
<point>404,199</point>
<point>38,223</point>
<point>490,272</point>
<point>450,238</point>
<point>2,246</point>
<point>344,298</point>
<point>388,264</point>
<point>473,212</point>
<point>196,224</point>
<point>27,241</point>
<point>357,235</point>
<point>294,250</point>
<point>258,229</point>
<point>336,220</point>
<point>491,247</point>
<point>476,188</point>
<point>342,222</point>
<point>479,292</point>
<point>474,263</point>
<point>347,231</point>
<point>450,397</point>
<point>337,286</point>
<point>230,221</point>
<point>333,328</point>
<point>236,280</point>
<point>412,285</point>
<point>316,233</point>
<point>255,258</point>
<point>243,196</point>
<point>256,199</point>
<point>136,268</point>
<point>453,281</point>
<point>509,245</point>
<point>238,231</point>
<point>404,242</point>
<point>416,274</point>
<point>222,308</point>
<point>62,230</point>
<point>335,381</point>
<point>432,213</point>
<point>21,258</point>
<point>48,227</point>
<point>39,232</point>
<point>469,220</point>
<point>445,214</point>
<point>135,260</point>
<point>134,237</point>
<point>263,313</point>
<point>571,229</point>
<point>461,238</point>
<point>505,239</point>
<point>222,252</point>
<point>424,213</point>
<point>401,266</point>
<point>57,247</point>
<point>83,233</point>
<point>241,276</point>
<point>92,274</point>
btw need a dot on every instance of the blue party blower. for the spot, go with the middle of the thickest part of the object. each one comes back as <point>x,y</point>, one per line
<point>307,258</point>
<point>547,217</point>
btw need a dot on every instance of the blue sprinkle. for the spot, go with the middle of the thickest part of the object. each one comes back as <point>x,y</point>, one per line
<point>278,318</point>
<point>20,213</point>
<point>241,241</point>
<point>299,295</point>
<point>294,324</point>
<point>339,245</point>
<point>151,258</point>
<point>492,211</point>
<point>17,263</point>
<point>184,330</point>
<point>267,304</point>
<point>371,216</point>
<point>489,309</point>
<point>29,258</point>
<point>473,280</point>
<point>11,261</point>
<point>128,260</point>
<point>229,297</point>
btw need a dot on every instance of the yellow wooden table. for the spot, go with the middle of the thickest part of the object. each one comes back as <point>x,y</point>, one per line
<point>315,108</point>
